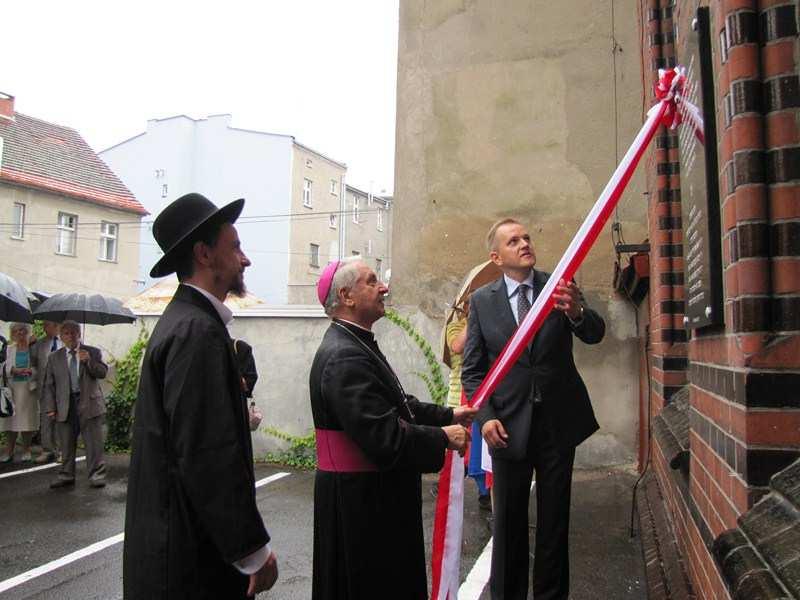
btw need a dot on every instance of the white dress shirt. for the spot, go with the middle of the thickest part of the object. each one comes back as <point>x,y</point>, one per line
<point>512,285</point>
<point>252,563</point>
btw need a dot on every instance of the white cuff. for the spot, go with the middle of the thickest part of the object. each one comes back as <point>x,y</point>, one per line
<point>251,564</point>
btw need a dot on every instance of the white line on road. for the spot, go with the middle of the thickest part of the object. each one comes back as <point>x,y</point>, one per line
<point>33,469</point>
<point>89,550</point>
<point>478,577</point>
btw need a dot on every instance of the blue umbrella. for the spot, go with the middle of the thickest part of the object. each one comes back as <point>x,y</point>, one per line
<point>14,305</point>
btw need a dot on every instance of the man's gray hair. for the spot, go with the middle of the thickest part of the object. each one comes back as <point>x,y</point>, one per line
<point>74,325</point>
<point>345,277</point>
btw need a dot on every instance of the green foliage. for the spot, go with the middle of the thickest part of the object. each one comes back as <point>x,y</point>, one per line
<point>301,453</point>
<point>434,380</point>
<point>38,330</point>
<point>121,400</point>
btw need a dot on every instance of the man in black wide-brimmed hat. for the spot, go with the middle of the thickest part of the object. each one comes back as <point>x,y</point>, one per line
<point>192,527</point>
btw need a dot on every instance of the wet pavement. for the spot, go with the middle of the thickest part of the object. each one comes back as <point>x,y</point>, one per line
<point>39,525</point>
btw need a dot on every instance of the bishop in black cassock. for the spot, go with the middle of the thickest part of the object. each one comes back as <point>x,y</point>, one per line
<point>373,442</point>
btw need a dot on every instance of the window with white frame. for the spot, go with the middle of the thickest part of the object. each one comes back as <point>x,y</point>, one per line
<point>378,268</point>
<point>379,222</point>
<point>356,208</point>
<point>333,187</point>
<point>18,231</point>
<point>307,184</point>
<point>332,220</point>
<point>67,234</point>
<point>314,252</point>
<point>108,241</point>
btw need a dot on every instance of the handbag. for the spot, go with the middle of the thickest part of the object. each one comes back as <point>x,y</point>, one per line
<point>254,415</point>
<point>6,398</point>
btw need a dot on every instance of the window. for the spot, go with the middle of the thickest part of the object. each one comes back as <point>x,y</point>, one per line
<point>356,253</point>
<point>333,187</point>
<point>108,241</point>
<point>379,223</point>
<point>332,220</point>
<point>67,234</point>
<point>378,267</point>
<point>356,206</point>
<point>18,231</point>
<point>314,251</point>
<point>307,183</point>
<point>164,190</point>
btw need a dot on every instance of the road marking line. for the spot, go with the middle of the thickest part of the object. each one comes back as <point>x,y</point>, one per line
<point>33,469</point>
<point>89,550</point>
<point>478,577</point>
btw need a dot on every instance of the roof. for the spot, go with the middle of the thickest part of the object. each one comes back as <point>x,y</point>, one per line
<point>57,159</point>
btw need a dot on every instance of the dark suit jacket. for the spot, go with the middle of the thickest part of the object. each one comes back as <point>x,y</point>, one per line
<point>547,369</point>
<point>191,510</point>
<point>56,389</point>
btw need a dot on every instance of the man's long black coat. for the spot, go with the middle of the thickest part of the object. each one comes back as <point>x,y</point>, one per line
<point>368,539</point>
<point>191,510</point>
<point>547,369</point>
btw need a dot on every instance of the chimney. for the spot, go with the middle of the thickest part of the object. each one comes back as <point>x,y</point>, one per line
<point>6,106</point>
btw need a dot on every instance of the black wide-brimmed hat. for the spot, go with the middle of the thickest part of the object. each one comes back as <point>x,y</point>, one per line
<point>174,226</point>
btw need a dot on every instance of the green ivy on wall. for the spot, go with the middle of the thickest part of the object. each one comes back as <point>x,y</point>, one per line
<point>122,398</point>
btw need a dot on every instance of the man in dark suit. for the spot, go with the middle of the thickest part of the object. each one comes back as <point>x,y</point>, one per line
<point>536,417</point>
<point>192,526</point>
<point>72,397</point>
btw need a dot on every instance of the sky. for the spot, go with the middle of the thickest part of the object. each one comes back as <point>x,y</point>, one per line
<point>322,71</point>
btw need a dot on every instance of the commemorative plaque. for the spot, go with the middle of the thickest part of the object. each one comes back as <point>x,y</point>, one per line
<point>697,141</point>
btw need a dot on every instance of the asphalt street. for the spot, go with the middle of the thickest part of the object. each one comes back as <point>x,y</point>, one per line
<point>39,526</point>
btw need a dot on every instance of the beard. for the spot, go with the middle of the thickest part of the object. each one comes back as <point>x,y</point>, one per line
<point>237,287</point>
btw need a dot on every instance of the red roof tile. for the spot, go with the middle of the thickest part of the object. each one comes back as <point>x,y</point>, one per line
<point>57,159</point>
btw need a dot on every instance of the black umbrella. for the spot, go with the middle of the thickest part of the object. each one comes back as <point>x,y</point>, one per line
<point>36,298</point>
<point>94,309</point>
<point>14,305</point>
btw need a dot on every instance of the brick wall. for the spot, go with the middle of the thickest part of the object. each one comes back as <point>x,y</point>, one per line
<point>744,377</point>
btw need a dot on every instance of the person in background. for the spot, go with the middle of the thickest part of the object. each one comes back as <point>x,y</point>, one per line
<point>40,353</point>
<point>73,398</point>
<point>456,339</point>
<point>21,377</point>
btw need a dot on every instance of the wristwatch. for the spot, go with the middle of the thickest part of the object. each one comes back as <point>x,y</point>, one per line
<point>577,321</point>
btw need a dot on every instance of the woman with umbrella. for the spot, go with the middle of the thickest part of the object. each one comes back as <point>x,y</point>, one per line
<point>20,376</point>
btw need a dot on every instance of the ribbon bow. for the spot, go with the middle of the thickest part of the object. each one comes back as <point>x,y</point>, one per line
<point>669,88</point>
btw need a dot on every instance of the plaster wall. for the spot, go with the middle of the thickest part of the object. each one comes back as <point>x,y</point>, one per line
<point>520,112</point>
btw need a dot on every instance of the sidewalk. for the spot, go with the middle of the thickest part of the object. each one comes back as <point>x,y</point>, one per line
<point>605,563</point>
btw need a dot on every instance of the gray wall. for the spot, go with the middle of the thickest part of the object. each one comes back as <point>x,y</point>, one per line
<point>520,111</point>
<point>222,163</point>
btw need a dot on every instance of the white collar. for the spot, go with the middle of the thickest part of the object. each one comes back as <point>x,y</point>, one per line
<point>513,284</point>
<point>354,324</point>
<point>225,313</point>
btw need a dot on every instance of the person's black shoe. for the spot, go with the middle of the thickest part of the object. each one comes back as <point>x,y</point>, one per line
<point>62,483</point>
<point>485,502</point>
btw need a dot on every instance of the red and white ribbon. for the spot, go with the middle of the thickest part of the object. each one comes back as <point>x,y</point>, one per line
<point>672,108</point>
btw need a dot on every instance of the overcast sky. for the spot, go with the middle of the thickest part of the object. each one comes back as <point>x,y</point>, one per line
<point>322,71</point>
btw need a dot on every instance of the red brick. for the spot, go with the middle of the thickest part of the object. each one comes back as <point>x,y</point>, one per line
<point>734,5</point>
<point>743,62</point>
<point>725,147</point>
<point>786,275</point>
<point>751,202</point>
<point>731,280</point>
<point>778,58</point>
<point>781,354</point>
<point>781,129</point>
<point>747,132</point>
<point>774,428</point>
<point>754,276</point>
<point>784,201</point>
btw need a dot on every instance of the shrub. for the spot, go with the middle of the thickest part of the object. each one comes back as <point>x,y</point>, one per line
<point>122,398</point>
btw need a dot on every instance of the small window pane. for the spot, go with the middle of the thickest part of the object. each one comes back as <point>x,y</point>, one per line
<point>314,262</point>
<point>18,230</point>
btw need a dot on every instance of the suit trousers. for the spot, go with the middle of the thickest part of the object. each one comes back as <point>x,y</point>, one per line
<point>47,432</point>
<point>511,490</point>
<point>91,430</point>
